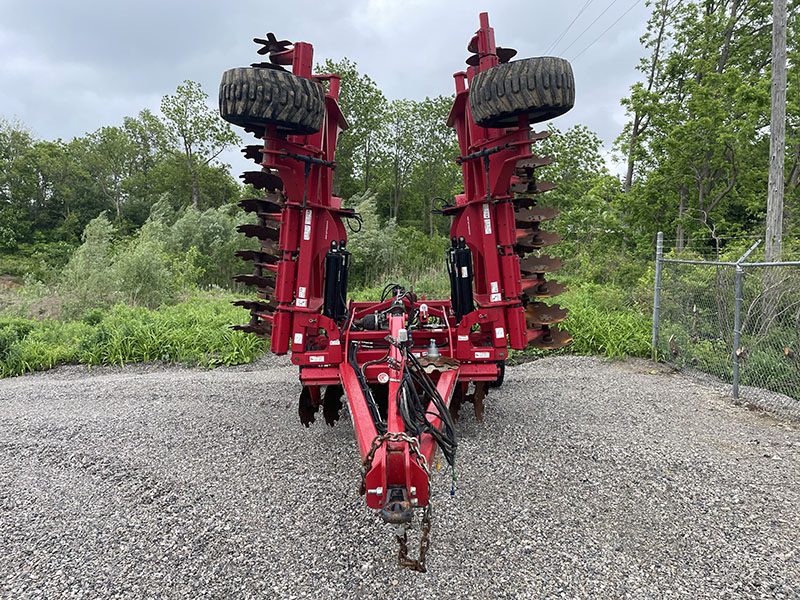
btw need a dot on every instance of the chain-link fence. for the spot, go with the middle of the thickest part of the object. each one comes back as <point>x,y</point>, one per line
<point>739,321</point>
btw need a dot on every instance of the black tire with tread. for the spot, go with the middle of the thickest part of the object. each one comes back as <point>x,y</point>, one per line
<point>542,87</point>
<point>254,97</point>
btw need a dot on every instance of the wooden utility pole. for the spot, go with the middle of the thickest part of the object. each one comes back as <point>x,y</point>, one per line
<point>774,234</point>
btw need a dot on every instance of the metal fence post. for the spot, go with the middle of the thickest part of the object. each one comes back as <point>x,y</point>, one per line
<point>657,293</point>
<point>737,318</point>
<point>737,333</point>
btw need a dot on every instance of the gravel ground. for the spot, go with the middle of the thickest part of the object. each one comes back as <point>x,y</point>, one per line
<point>586,479</point>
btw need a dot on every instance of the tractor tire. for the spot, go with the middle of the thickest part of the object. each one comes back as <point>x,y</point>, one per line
<point>255,97</point>
<point>543,88</point>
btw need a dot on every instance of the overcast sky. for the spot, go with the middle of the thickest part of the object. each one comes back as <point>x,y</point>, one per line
<point>68,68</point>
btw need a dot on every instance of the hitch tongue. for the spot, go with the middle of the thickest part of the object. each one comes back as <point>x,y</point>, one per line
<point>397,509</point>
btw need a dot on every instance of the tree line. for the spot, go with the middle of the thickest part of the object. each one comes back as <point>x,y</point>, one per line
<point>695,154</point>
<point>50,190</point>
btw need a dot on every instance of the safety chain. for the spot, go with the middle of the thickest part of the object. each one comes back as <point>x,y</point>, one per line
<point>424,543</point>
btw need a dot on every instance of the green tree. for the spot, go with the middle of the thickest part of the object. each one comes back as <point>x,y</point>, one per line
<point>15,223</point>
<point>696,145</point>
<point>109,155</point>
<point>195,131</point>
<point>364,106</point>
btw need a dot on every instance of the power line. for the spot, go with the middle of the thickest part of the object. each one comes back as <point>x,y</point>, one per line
<point>606,29</point>
<point>580,35</point>
<point>563,33</point>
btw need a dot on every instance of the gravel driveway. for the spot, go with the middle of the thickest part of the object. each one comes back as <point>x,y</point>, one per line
<point>586,479</point>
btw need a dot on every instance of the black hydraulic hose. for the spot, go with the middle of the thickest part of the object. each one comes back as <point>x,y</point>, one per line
<point>413,408</point>
<point>375,413</point>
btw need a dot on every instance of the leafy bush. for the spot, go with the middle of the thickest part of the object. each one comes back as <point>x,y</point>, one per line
<point>142,271</point>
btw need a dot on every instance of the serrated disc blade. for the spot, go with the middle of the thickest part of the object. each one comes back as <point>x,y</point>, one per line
<point>258,281</point>
<point>271,44</point>
<point>542,288</point>
<point>523,202</point>
<point>262,232</point>
<point>262,330</point>
<point>536,214</point>
<point>554,338</point>
<point>258,258</point>
<point>505,54</point>
<point>257,305</point>
<point>524,187</point>
<point>262,180</point>
<point>537,239</point>
<point>536,136</point>
<point>254,152</point>
<point>539,313</point>
<point>540,264</point>
<point>533,162</point>
<point>271,203</point>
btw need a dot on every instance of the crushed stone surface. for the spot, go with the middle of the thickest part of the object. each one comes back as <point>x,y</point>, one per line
<point>586,479</point>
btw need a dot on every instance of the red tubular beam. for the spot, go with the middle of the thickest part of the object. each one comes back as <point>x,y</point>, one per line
<point>362,419</point>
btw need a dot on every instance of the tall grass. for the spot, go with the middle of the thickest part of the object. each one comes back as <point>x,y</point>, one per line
<point>601,323</point>
<point>194,332</point>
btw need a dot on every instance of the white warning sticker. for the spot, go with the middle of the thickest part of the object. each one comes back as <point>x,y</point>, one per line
<point>334,343</point>
<point>495,287</point>
<point>307,227</point>
<point>496,298</point>
<point>483,354</point>
<point>463,338</point>
<point>464,272</point>
<point>298,338</point>
<point>316,359</point>
<point>301,292</point>
<point>499,332</point>
<point>302,302</point>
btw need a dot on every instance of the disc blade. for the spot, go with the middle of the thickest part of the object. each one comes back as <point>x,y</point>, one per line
<point>254,152</point>
<point>262,330</point>
<point>262,232</point>
<point>257,305</point>
<point>536,214</point>
<point>536,136</point>
<point>271,203</point>
<point>553,338</point>
<point>540,264</point>
<point>542,288</point>
<point>505,54</point>
<point>538,239</point>
<point>529,187</point>
<point>258,281</point>
<point>262,180</point>
<point>523,202</point>
<point>258,258</point>
<point>533,162</point>
<point>271,44</point>
<point>539,313</point>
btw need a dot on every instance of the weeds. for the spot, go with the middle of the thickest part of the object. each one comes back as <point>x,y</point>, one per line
<point>194,332</point>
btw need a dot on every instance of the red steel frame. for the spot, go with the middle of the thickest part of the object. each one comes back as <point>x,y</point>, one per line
<point>312,218</point>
